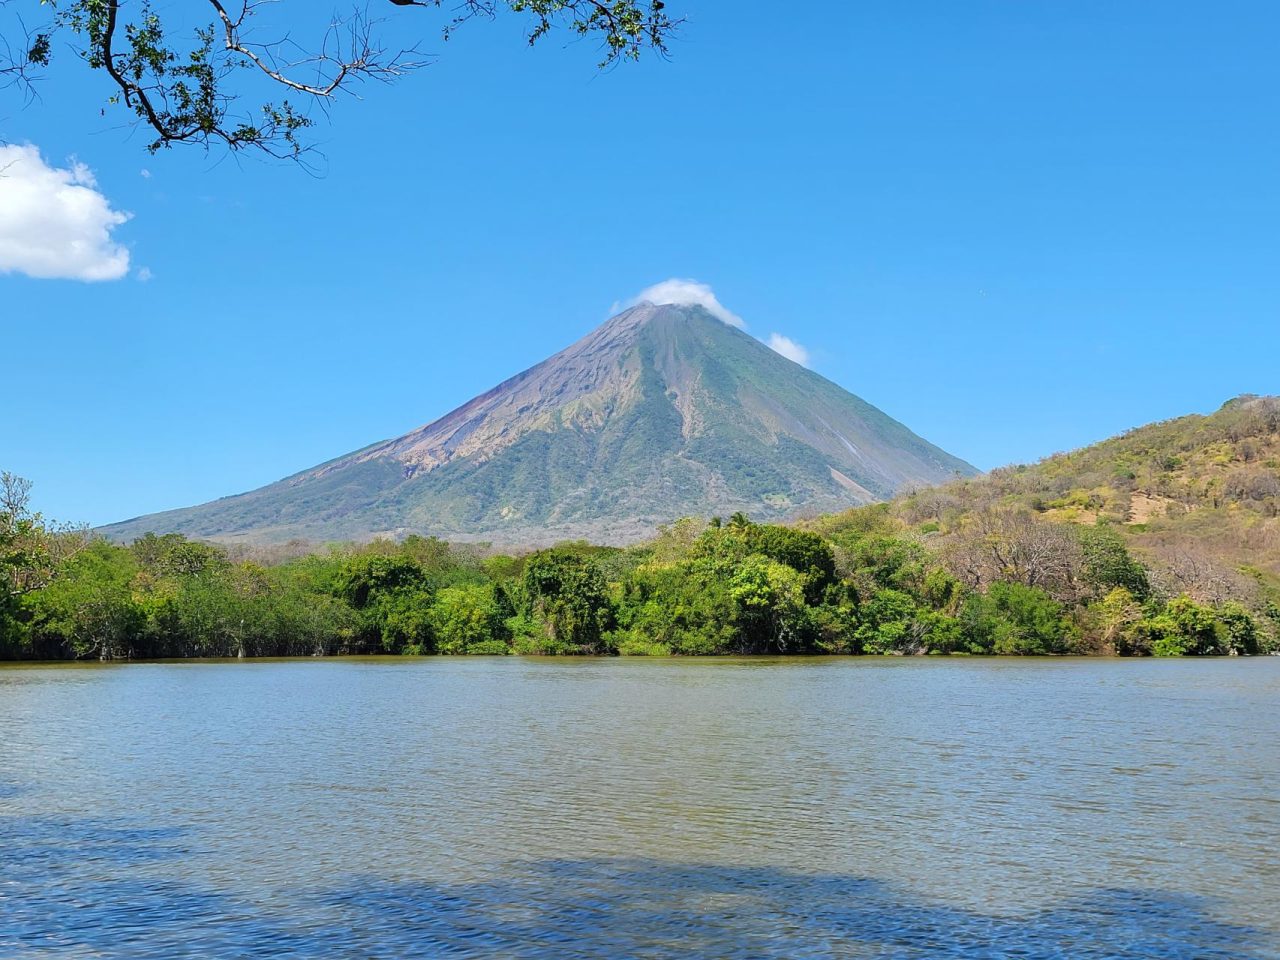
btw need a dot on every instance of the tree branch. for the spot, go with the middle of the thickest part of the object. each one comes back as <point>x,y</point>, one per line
<point>185,93</point>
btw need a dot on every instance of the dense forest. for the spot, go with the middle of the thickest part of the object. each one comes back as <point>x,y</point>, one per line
<point>1162,542</point>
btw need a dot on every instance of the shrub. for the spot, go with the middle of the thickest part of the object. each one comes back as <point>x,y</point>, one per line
<point>466,619</point>
<point>1012,618</point>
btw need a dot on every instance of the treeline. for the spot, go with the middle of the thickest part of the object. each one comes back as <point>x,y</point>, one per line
<point>858,583</point>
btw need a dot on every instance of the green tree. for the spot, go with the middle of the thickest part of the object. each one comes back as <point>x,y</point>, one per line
<point>1243,636</point>
<point>468,619</point>
<point>835,624</point>
<point>770,609</point>
<point>186,77</point>
<point>1270,641</point>
<point>1108,563</point>
<point>31,548</point>
<point>804,552</point>
<point>403,621</point>
<point>303,620</point>
<point>875,561</point>
<point>887,621</point>
<point>674,608</point>
<point>88,611</point>
<point>363,577</point>
<point>173,555</point>
<point>567,603</point>
<point>941,590</point>
<point>1186,628</point>
<point>1117,619</point>
<point>892,621</point>
<point>1013,618</point>
<point>32,553</point>
<point>392,595</point>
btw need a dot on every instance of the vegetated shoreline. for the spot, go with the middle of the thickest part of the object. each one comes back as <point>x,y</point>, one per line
<point>727,659</point>
<point>859,583</point>
<point>1164,541</point>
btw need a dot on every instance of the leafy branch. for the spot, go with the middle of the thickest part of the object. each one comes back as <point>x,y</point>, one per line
<point>184,85</point>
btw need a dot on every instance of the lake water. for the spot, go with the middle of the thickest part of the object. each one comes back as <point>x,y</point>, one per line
<point>634,808</point>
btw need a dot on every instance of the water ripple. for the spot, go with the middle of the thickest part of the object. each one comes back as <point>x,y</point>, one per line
<point>511,808</point>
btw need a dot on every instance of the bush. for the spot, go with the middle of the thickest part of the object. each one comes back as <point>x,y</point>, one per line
<point>631,644</point>
<point>1014,619</point>
<point>467,619</point>
<point>567,599</point>
<point>1108,564</point>
<point>678,607</point>
<point>885,623</point>
<point>1185,628</point>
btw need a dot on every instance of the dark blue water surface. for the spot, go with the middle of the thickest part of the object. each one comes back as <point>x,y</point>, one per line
<point>629,808</point>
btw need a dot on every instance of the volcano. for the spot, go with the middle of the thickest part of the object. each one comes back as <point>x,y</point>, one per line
<point>664,411</point>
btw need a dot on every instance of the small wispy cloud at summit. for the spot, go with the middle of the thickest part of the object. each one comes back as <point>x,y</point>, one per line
<point>686,293</point>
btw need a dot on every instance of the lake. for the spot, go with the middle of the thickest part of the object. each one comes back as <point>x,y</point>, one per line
<point>512,807</point>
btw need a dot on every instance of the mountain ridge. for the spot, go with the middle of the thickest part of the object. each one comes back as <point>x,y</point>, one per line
<point>662,411</point>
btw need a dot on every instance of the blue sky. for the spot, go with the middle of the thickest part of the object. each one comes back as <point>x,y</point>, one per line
<point>1016,227</point>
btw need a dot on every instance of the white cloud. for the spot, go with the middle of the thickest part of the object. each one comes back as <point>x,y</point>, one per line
<point>144,274</point>
<point>691,292</point>
<point>54,224</point>
<point>789,349</point>
<point>688,292</point>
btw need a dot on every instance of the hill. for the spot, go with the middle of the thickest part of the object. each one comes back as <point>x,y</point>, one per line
<point>1197,500</point>
<point>662,412</point>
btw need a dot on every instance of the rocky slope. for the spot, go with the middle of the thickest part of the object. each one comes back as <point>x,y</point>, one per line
<point>662,412</point>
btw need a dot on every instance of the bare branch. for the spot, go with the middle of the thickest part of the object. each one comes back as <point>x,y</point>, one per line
<point>363,59</point>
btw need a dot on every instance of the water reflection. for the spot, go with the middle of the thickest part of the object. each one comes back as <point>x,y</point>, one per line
<point>79,888</point>
<point>639,908</point>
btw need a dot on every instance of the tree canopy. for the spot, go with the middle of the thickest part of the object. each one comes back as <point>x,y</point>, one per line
<point>190,77</point>
<point>864,582</point>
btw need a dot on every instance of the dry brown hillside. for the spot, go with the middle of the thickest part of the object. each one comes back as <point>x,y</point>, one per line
<point>1197,498</point>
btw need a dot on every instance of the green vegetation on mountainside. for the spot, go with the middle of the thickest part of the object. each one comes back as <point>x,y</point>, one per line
<point>661,413</point>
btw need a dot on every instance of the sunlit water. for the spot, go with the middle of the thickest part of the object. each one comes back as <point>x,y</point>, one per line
<point>630,808</point>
